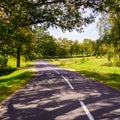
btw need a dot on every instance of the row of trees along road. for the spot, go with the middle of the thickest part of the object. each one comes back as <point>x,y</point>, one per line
<point>46,45</point>
<point>17,18</point>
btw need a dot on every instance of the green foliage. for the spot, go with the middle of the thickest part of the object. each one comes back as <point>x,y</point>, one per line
<point>3,63</point>
<point>101,48</point>
<point>44,44</point>
<point>88,47</point>
<point>64,47</point>
<point>109,29</point>
<point>14,39</point>
<point>75,48</point>
<point>65,14</point>
<point>47,45</point>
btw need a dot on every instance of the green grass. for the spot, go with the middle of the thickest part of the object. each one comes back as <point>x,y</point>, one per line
<point>12,79</point>
<point>94,68</point>
<point>12,82</point>
<point>12,62</point>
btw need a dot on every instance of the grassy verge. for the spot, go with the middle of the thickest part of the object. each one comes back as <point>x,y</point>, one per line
<point>12,79</point>
<point>12,62</point>
<point>12,82</point>
<point>96,68</point>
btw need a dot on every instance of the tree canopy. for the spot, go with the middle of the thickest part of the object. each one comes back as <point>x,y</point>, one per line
<point>109,29</point>
<point>67,14</point>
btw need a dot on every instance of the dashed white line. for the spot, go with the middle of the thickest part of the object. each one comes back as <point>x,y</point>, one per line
<point>56,71</point>
<point>67,82</point>
<point>82,103</point>
<point>86,111</point>
<point>53,69</point>
<point>62,77</point>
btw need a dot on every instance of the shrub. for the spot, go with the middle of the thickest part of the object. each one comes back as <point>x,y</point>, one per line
<point>3,62</point>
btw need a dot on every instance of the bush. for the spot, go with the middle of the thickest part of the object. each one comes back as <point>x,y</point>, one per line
<point>118,64</point>
<point>108,64</point>
<point>3,62</point>
<point>83,60</point>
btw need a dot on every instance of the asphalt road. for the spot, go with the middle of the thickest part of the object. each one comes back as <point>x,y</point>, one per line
<point>58,94</point>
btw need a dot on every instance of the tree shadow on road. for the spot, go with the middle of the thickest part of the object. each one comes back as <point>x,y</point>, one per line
<point>48,98</point>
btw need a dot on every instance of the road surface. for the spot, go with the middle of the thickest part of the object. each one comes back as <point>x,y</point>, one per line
<point>58,94</point>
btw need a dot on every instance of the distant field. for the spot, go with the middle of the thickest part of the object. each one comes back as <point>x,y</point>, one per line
<point>12,79</point>
<point>96,68</point>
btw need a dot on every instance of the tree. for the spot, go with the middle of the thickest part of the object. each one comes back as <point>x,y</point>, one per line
<point>63,47</point>
<point>45,44</point>
<point>114,35</point>
<point>88,47</point>
<point>5,42</point>
<point>66,14</point>
<point>13,37</point>
<point>101,47</point>
<point>75,48</point>
<point>24,43</point>
<point>110,25</point>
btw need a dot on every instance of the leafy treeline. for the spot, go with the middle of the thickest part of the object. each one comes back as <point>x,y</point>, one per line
<point>109,30</point>
<point>46,45</point>
<point>17,18</point>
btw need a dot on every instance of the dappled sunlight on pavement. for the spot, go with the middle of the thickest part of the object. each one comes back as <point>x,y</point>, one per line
<point>48,97</point>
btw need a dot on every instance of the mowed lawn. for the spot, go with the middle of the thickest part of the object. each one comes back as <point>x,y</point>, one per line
<point>96,68</point>
<point>13,79</point>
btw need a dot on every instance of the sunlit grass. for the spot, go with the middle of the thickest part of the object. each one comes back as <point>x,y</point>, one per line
<point>93,67</point>
<point>10,83</point>
<point>12,62</point>
<point>12,79</point>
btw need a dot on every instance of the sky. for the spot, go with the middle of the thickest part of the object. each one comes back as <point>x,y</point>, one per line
<point>89,32</point>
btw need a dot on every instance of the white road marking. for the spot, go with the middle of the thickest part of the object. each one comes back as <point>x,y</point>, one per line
<point>56,71</point>
<point>86,111</point>
<point>51,68</point>
<point>62,77</point>
<point>67,82</point>
<point>82,103</point>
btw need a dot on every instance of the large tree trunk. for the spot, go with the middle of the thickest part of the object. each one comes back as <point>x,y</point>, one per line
<point>18,57</point>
